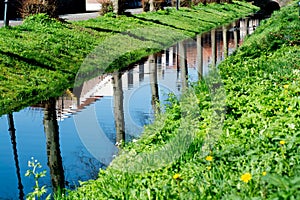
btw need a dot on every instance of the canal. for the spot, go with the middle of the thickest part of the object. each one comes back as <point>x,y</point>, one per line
<point>75,135</point>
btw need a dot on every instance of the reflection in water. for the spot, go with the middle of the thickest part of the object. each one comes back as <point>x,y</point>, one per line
<point>87,113</point>
<point>12,132</point>
<point>183,65</point>
<point>118,105</point>
<point>141,72</point>
<point>225,41</point>
<point>235,35</point>
<point>154,83</point>
<point>213,48</point>
<point>53,148</point>
<point>199,60</point>
<point>208,49</point>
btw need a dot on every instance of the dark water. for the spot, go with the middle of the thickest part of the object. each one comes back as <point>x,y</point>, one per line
<point>74,136</point>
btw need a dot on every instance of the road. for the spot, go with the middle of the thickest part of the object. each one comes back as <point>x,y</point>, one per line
<point>72,17</point>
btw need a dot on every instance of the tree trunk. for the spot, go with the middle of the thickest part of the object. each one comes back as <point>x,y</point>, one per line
<point>118,6</point>
<point>151,3</point>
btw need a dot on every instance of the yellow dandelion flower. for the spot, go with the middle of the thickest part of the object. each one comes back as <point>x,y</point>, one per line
<point>208,168</point>
<point>209,158</point>
<point>246,177</point>
<point>285,86</point>
<point>289,108</point>
<point>264,173</point>
<point>282,142</point>
<point>176,176</point>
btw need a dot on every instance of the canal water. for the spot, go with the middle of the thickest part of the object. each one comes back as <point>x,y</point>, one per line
<point>75,135</point>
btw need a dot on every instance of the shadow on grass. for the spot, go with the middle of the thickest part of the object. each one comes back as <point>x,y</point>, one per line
<point>32,61</point>
<point>159,22</point>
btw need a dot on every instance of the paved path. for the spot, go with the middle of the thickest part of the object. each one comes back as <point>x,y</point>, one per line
<point>73,17</point>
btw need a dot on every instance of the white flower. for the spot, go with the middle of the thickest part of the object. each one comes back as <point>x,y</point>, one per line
<point>296,71</point>
<point>291,126</point>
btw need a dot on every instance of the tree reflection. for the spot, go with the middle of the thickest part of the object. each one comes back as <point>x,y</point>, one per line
<point>213,48</point>
<point>53,147</point>
<point>235,35</point>
<point>154,83</point>
<point>12,132</point>
<point>118,106</point>
<point>183,65</point>
<point>199,57</point>
<point>225,41</point>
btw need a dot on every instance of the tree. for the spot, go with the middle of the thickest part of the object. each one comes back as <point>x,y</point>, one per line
<point>118,6</point>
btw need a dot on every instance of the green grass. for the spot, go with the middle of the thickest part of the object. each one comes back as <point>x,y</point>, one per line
<point>204,143</point>
<point>41,58</point>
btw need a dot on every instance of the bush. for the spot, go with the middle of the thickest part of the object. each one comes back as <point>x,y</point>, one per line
<point>196,2</point>
<point>31,7</point>
<point>106,7</point>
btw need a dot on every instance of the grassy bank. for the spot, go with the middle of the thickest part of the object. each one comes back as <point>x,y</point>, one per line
<point>234,135</point>
<point>41,57</point>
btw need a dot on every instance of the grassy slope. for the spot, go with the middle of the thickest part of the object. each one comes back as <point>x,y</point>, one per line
<point>259,133</point>
<point>41,57</point>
